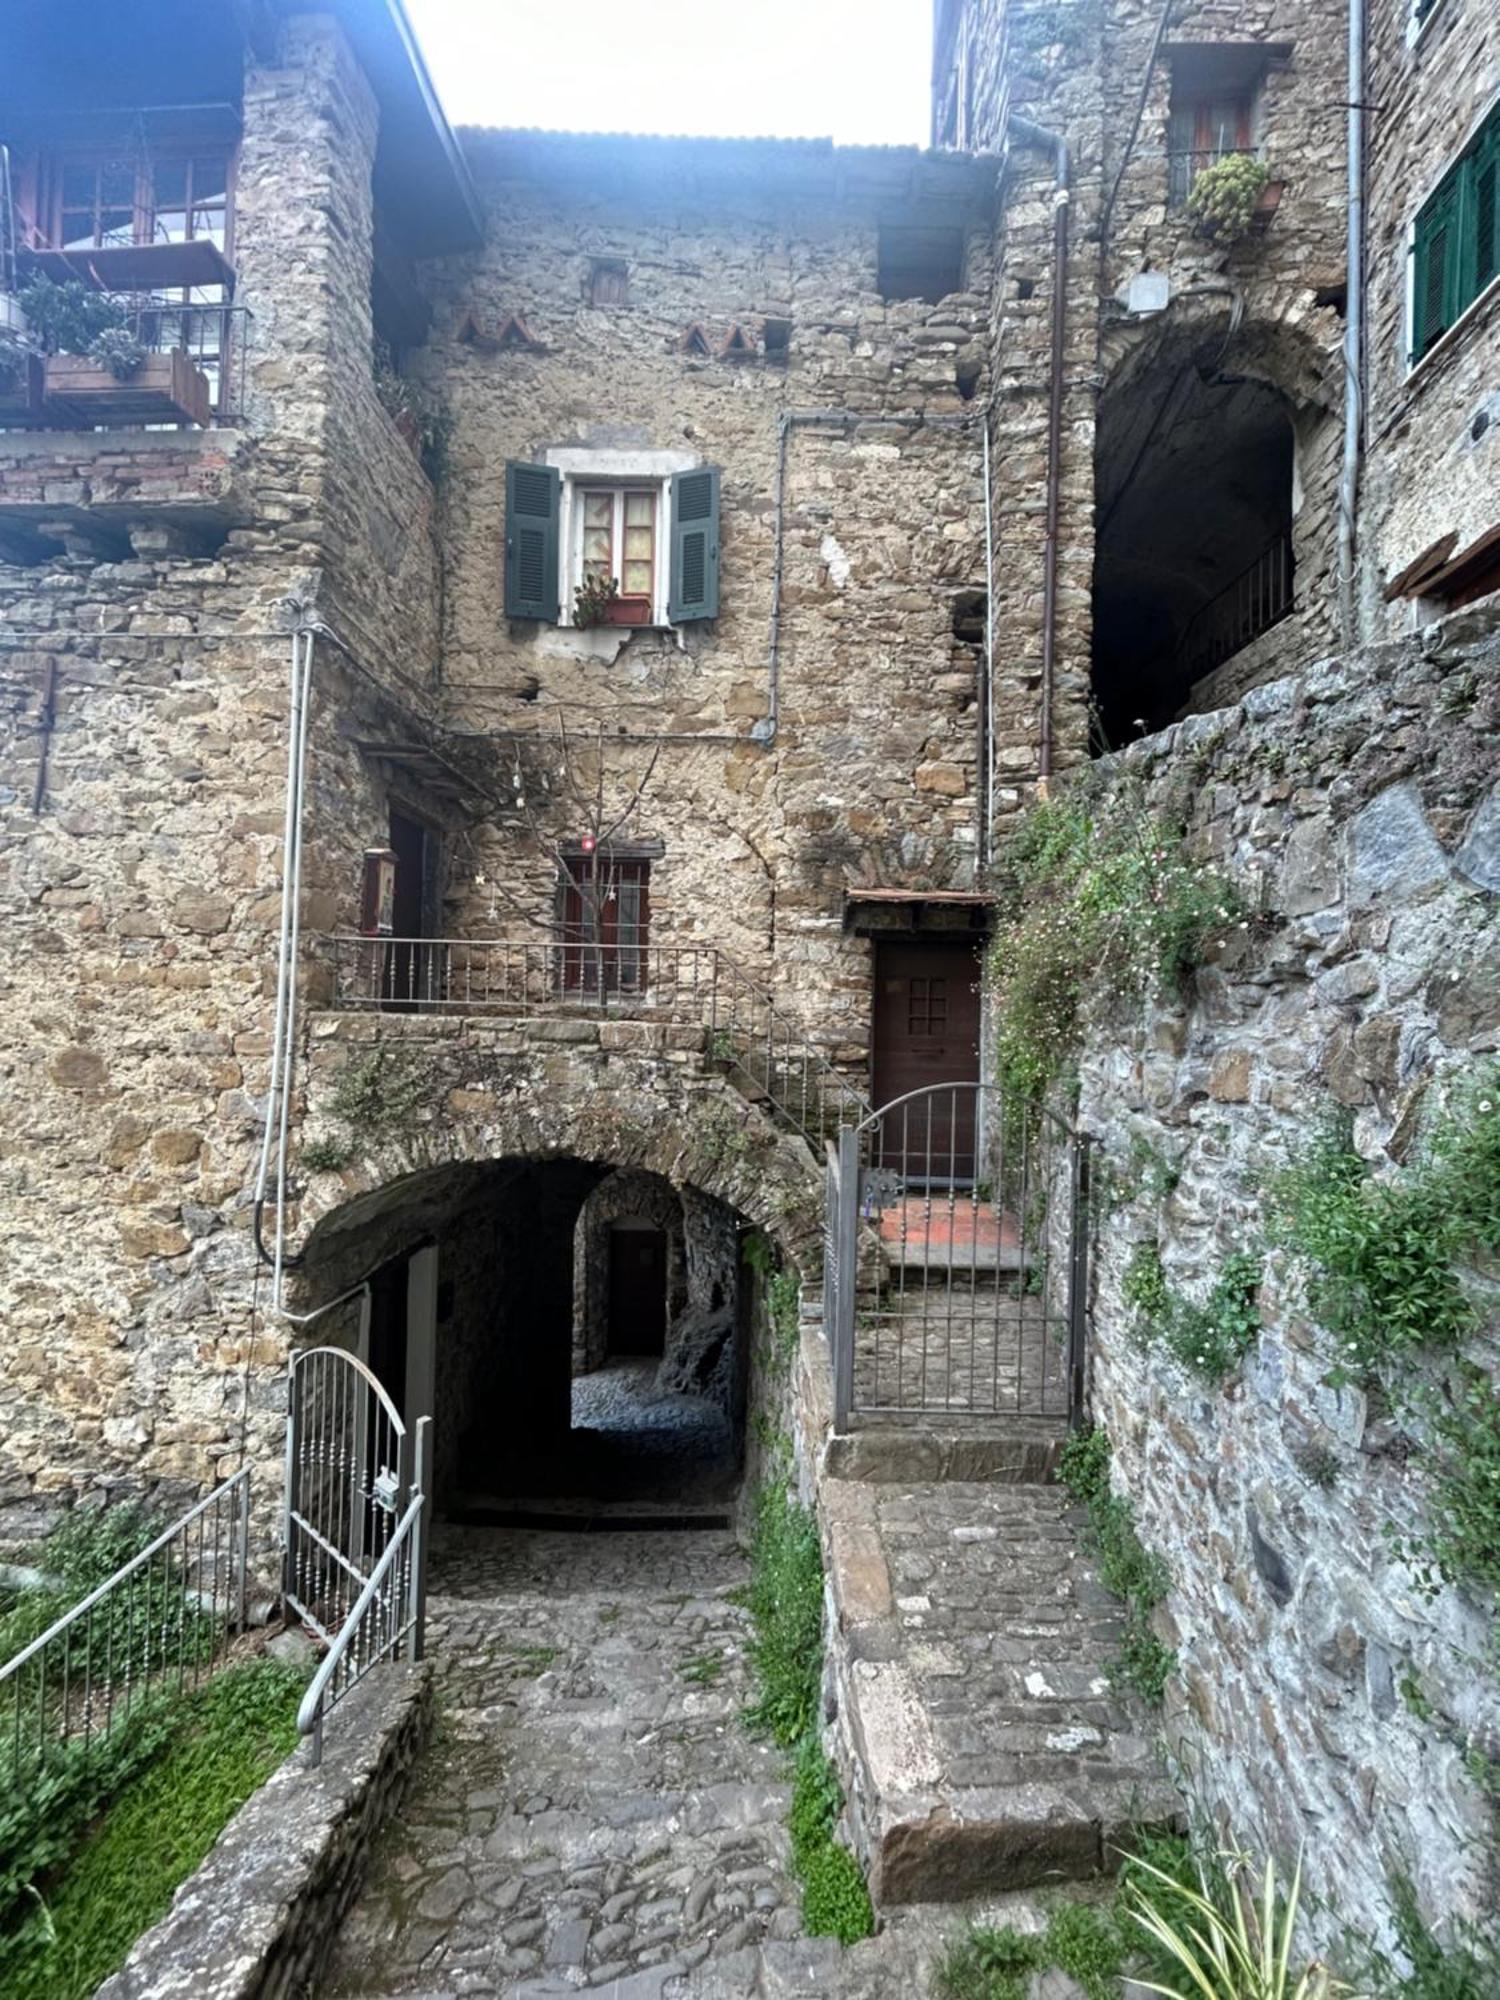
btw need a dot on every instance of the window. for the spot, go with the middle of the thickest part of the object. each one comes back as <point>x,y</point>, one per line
<point>1202,128</point>
<point>648,520</point>
<point>617,539</point>
<point>918,263</point>
<point>106,204</point>
<point>1456,239</point>
<point>609,282</point>
<point>604,916</point>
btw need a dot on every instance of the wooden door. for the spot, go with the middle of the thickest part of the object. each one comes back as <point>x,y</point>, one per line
<point>412,970</point>
<point>637,1291</point>
<point>926,1031</point>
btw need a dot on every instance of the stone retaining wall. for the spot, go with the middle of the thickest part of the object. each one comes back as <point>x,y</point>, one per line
<point>1321,1699</point>
<point>259,1918</point>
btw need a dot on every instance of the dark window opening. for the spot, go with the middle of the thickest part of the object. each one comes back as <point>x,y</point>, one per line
<point>1026,288</point>
<point>609,282</point>
<point>1193,554</point>
<point>967,375</point>
<point>970,614</point>
<point>918,263</point>
<point>413,965</point>
<point>604,922</point>
<point>776,334</point>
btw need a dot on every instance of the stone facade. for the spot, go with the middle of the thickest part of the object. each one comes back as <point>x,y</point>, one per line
<point>1366,831</point>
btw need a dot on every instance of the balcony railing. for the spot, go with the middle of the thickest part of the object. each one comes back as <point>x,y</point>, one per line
<point>1258,598</point>
<point>196,359</point>
<point>686,985</point>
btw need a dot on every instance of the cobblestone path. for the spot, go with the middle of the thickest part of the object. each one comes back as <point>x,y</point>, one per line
<point>593,1814</point>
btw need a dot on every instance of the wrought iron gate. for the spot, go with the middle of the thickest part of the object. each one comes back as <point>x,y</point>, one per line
<point>352,1469</point>
<point>956,1261</point>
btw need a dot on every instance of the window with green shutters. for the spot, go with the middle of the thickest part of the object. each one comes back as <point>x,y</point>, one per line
<point>1456,245</point>
<point>533,496</point>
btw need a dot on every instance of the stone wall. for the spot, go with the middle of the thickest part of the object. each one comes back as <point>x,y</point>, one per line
<point>1432,465</point>
<point>1366,828</point>
<point>258,1919</point>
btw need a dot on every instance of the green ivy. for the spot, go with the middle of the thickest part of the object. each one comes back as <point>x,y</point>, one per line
<point>378,1092</point>
<point>1098,898</point>
<point>1126,1565</point>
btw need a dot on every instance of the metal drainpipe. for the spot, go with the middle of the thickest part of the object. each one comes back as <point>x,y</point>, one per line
<point>1053,142</point>
<point>987,706</point>
<point>1354,318</point>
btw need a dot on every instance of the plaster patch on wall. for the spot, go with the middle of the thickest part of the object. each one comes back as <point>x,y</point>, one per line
<point>838,564</point>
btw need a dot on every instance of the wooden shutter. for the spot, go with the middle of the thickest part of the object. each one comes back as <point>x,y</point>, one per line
<point>533,497</point>
<point>694,591</point>
<point>1435,272</point>
<point>1482,217</point>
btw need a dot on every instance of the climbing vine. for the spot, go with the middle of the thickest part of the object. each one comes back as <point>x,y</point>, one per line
<point>1209,1338</point>
<point>1099,902</point>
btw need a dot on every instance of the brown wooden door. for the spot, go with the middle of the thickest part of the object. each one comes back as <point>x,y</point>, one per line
<point>926,1031</point>
<point>637,1291</point>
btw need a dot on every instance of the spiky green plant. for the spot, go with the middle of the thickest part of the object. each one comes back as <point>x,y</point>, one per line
<point>1230,1942</point>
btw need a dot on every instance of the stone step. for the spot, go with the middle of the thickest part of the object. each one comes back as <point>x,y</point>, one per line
<point>1017,1450</point>
<point>990,1751</point>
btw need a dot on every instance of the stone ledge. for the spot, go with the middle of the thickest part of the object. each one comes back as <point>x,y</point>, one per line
<point>258,1919</point>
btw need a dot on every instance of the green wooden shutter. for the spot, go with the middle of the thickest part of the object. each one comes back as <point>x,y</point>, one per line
<point>1482,223</point>
<point>1435,268</point>
<point>694,591</point>
<point>533,502</point>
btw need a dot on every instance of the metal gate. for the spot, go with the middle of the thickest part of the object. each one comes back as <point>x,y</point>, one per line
<point>956,1258</point>
<point>351,1469</point>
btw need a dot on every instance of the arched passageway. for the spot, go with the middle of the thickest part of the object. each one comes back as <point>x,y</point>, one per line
<point>573,1329</point>
<point>1195,472</point>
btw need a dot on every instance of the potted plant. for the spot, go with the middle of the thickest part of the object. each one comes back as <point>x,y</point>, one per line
<point>97,368</point>
<point>595,600</point>
<point>1225,196</point>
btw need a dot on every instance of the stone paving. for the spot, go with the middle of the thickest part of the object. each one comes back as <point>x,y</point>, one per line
<point>593,1814</point>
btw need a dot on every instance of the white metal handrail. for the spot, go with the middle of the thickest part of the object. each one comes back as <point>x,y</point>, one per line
<point>386,1617</point>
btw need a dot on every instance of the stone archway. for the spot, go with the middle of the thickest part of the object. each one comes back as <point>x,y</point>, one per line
<point>1215,475</point>
<point>631,1197</point>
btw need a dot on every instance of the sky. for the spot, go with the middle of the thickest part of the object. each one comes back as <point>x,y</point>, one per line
<point>852,70</point>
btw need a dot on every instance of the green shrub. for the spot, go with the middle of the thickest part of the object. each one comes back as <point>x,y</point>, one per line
<point>1464,1540</point>
<point>68,318</point>
<point>785,1599</point>
<point>225,1741</point>
<point>1097,899</point>
<point>835,1900</point>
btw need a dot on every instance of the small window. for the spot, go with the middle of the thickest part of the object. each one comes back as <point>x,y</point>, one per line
<point>609,282</point>
<point>918,263</point>
<point>169,198</point>
<point>1456,239</point>
<point>1203,128</point>
<point>604,917</point>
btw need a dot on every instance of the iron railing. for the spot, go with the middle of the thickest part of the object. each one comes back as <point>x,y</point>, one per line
<point>977,1302</point>
<point>684,985</point>
<point>385,1621</point>
<point>1258,598</point>
<point>1184,167</point>
<point>215,338</point>
<point>153,1630</point>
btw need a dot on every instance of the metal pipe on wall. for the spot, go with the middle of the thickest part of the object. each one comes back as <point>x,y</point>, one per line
<point>1053,142</point>
<point>1354,319</point>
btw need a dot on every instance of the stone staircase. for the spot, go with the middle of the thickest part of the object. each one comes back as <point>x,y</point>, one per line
<point>983,1742</point>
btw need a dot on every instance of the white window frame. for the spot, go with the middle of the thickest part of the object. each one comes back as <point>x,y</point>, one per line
<point>621,470</point>
<point>1417,25</point>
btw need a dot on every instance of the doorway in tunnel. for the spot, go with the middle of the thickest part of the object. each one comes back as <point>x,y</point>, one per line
<point>1195,473</point>
<point>576,1334</point>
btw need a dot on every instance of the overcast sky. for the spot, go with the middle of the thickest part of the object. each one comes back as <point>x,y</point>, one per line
<point>852,70</point>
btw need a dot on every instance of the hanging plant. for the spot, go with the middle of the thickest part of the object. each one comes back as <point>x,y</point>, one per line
<point>592,600</point>
<point>118,350</point>
<point>1223,199</point>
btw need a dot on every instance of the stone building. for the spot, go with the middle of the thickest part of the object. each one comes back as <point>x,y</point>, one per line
<point>627,587</point>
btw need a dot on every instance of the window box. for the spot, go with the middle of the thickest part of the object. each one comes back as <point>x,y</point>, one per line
<point>165,388</point>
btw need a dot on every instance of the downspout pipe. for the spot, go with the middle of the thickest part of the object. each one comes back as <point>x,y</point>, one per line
<point>1354,318</point>
<point>1044,141</point>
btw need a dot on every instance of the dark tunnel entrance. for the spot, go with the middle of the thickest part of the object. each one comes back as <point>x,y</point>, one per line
<point>1195,472</point>
<point>576,1332</point>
